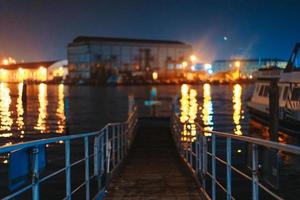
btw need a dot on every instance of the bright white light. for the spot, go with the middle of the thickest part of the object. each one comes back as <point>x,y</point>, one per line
<point>193,67</point>
<point>210,71</point>
<point>207,66</point>
<point>225,38</point>
<point>193,58</point>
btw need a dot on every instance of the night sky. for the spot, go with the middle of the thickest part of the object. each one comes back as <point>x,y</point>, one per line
<point>33,30</point>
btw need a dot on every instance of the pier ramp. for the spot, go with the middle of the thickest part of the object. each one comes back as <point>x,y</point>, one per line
<point>153,169</point>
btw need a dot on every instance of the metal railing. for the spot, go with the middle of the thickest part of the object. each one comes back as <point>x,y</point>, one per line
<point>110,144</point>
<point>195,153</point>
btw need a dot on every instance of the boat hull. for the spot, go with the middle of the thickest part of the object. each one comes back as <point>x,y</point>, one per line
<point>286,125</point>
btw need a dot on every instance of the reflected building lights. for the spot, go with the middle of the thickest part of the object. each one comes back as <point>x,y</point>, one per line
<point>188,114</point>
<point>5,113</point>
<point>60,112</point>
<point>237,108</point>
<point>20,109</point>
<point>43,102</point>
<point>207,110</point>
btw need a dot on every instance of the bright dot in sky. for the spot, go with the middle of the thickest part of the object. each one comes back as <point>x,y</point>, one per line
<point>225,38</point>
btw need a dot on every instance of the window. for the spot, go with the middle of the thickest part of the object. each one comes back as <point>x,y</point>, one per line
<point>261,91</point>
<point>257,88</point>
<point>266,91</point>
<point>285,93</point>
<point>280,90</point>
<point>295,94</point>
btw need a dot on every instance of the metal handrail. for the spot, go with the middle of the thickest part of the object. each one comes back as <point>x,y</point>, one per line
<point>195,155</point>
<point>275,145</point>
<point>111,145</point>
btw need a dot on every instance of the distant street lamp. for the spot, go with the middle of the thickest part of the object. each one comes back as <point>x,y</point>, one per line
<point>193,58</point>
<point>237,64</point>
<point>154,75</point>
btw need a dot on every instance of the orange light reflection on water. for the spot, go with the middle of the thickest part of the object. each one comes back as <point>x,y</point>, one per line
<point>5,113</point>
<point>188,114</point>
<point>43,102</point>
<point>237,108</point>
<point>207,110</point>
<point>60,112</point>
<point>20,109</point>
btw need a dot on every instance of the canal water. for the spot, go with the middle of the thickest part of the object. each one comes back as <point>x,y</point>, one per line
<point>49,109</point>
<point>52,110</point>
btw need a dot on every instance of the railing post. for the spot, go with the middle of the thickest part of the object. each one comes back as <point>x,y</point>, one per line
<point>204,162</point>
<point>124,140</point>
<point>113,140</point>
<point>228,168</point>
<point>68,169</point>
<point>35,174</point>
<point>97,161</point>
<point>102,156</point>
<point>108,150</point>
<point>213,166</point>
<point>87,168</point>
<point>197,152</point>
<point>254,172</point>
<point>200,154</point>
<point>119,143</point>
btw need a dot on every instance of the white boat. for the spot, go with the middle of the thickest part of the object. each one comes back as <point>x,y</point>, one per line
<point>289,94</point>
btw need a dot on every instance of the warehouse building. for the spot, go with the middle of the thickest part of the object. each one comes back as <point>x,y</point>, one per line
<point>88,54</point>
<point>34,71</point>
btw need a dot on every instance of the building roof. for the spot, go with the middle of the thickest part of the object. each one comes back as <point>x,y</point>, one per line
<point>251,60</point>
<point>80,39</point>
<point>30,65</point>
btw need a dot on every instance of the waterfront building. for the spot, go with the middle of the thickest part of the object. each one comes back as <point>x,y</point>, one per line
<point>246,66</point>
<point>34,71</point>
<point>89,55</point>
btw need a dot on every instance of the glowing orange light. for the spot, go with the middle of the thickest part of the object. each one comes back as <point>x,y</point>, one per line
<point>237,64</point>
<point>193,58</point>
<point>8,61</point>
<point>42,75</point>
<point>237,108</point>
<point>184,64</point>
<point>154,75</point>
<point>59,72</point>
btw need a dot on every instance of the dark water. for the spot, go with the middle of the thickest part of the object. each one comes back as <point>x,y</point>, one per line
<point>52,108</point>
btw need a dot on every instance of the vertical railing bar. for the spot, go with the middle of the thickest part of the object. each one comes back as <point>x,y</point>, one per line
<point>255,188</point>
<point>200,153</point>
<point>196,152</point>
<point>119,143</point>
<point>125,139</point>
<point>204,162</point>
<point>108,151</point>
<point>190,154</point>
<point>228,168</point>
<point>97,152</point>
<point>102,158</point>
<point>113,147</point>
<point>35,174</point>
<point>87,168</point>
<point>213,166</point>
<point>68,169</point>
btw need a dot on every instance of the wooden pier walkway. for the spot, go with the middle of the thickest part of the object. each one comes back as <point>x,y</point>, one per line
<point>153,169</point>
